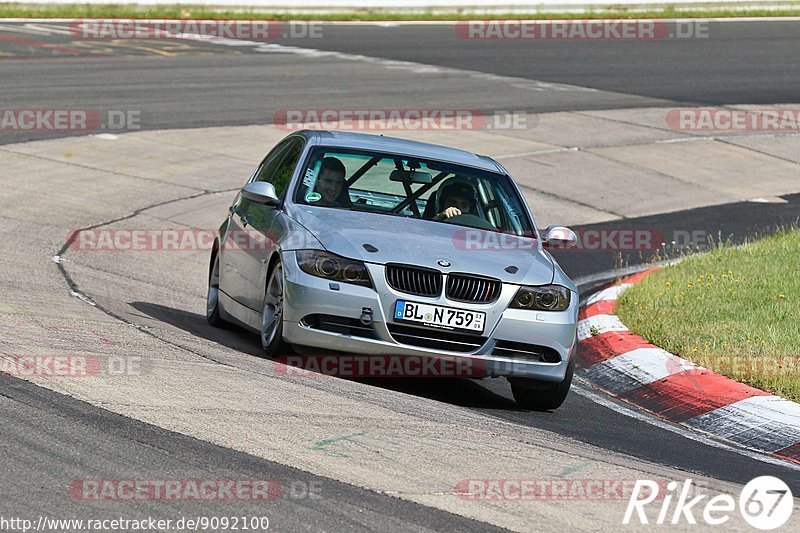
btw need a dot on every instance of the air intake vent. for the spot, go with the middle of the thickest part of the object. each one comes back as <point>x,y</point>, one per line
<point>473,289</point>
<point>531,352</point>
<point>340,324</point>
<point>436,339</point>
<point>414,280</point>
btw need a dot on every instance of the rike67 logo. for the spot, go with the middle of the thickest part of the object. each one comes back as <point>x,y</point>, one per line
<point>765,503</point>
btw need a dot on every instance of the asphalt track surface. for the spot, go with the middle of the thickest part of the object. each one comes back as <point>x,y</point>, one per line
<point>49,440</point>
<point>753,63</point>
<point>191,84</point>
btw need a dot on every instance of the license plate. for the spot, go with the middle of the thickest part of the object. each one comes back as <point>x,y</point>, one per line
<point>436,316</point>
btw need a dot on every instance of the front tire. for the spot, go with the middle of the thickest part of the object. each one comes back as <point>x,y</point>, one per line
<point>537,395</point>
<point>272,315</point>
<point>212,298</point>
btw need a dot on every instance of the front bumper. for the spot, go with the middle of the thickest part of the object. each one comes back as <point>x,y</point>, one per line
<point>306,295</point>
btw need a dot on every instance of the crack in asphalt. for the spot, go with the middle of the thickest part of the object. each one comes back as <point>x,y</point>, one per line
<point>750,148</point>
<point>75,290</point>
<point>664,175</point>
<point>569,200</point>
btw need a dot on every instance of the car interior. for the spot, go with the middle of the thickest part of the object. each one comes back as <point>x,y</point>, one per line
<point>403,186</point>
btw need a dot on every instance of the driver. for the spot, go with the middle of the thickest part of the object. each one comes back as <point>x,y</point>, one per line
<point>330,184</point>
<point>456,199</point>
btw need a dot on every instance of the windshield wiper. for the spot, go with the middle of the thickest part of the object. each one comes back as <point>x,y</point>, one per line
<point>379,212</point>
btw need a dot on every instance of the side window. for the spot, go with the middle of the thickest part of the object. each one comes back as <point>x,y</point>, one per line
<point>279,165</point>
<point>268,165</point>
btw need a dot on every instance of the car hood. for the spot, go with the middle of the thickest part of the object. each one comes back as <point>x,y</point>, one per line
<point>424,243</point>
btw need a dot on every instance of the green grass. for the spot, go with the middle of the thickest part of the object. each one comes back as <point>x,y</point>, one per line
<point>9,10</point>
<point>734,310</point>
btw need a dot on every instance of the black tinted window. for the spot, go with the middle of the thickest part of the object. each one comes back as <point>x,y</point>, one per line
<point>278,167</point>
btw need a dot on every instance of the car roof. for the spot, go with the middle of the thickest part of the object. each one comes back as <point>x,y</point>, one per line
<point>381,143</point>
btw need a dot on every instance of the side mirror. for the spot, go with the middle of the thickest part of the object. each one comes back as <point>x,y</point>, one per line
<point>261,192</point>
<point>559,237</point>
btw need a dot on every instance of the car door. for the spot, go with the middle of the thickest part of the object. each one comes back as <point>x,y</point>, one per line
<point>250,242</point>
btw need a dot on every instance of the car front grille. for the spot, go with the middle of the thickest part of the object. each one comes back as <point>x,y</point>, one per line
<point>473,289</point>
<point>339,324</point>
<point>414,280</point>
<point>530,352</point>
<point>436,339</point>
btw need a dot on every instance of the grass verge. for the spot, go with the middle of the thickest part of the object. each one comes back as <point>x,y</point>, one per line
<point>77,10</point>
<point>734,310</point>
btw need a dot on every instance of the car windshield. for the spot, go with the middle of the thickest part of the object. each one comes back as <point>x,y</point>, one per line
<point>412,187</point>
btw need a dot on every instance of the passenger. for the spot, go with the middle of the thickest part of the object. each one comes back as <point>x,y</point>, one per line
<point>331,184</point>
<point>456,199</point>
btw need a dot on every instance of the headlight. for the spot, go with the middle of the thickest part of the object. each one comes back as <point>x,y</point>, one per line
<point>546,298</point>
<point>331,266</point>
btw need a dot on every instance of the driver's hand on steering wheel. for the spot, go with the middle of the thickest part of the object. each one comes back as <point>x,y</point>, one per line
<point>448,213</point>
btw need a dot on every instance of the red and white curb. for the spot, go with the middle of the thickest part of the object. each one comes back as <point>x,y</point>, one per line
<point>626,366</point>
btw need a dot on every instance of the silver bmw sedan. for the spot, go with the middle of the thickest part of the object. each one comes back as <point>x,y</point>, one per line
<point>365,244</point>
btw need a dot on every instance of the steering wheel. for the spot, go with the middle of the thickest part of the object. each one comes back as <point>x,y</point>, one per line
<point>473,221</point>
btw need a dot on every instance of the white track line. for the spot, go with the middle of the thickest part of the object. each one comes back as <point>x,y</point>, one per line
<point>636,368</point>
<point>768,423</point>
<point>598,324</point>
<point>689,434</point>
